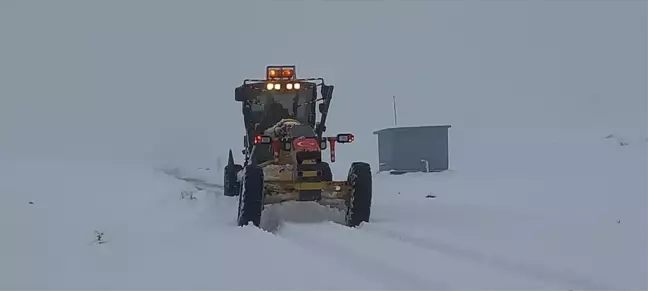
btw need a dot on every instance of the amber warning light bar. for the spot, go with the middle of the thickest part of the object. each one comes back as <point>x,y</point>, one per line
<point>277,75</point>
<point>280,73</point>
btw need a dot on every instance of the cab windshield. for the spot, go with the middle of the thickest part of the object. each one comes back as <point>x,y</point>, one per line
<point>269,107</point>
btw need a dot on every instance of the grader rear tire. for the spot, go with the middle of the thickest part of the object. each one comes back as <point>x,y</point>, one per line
<point>231,186</point>
<point>327,174</point>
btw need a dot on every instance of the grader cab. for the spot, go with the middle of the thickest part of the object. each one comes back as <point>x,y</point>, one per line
<point>284,147</point>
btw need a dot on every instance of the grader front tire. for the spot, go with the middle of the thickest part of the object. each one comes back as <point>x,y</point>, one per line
<point>360,194</point>
<point>251,198</point>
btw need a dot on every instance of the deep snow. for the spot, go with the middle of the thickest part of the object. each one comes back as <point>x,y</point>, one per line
<point>534,211</point>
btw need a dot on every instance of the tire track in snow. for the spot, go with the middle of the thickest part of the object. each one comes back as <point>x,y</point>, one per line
<point>530,270</point>
<point>200,184</point>
<point>327,239</point>
<point>309,237</point>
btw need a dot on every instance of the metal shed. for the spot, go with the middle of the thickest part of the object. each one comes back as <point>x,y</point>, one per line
<point>413,149</point>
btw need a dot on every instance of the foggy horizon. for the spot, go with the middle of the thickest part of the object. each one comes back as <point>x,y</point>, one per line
<point>156,79</point>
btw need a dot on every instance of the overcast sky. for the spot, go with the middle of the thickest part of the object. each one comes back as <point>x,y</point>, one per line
<point>158,77</point>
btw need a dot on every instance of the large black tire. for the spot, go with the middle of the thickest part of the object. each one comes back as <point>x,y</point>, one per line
<point>231,187</point>
<point>327,174</point>
<point>360,194</point>
<point>251,198</point>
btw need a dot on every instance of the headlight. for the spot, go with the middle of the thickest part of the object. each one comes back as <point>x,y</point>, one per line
<point>297,86</point>
<point>269,86</point>
<point>289,86</point>
<point>277,86</point>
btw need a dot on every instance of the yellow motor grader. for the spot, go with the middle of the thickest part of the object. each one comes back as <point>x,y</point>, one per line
<point>283,149</point>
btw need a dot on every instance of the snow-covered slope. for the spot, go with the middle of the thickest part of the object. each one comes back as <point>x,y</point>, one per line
<point>531,212</point>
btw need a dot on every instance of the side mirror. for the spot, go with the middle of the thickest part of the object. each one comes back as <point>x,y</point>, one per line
<point>327,91</point>
<point>239,94</point>
<point>345,138</point>
<point>322,108</point>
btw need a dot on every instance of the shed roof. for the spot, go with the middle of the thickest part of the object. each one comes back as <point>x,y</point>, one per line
<point>422,127</point>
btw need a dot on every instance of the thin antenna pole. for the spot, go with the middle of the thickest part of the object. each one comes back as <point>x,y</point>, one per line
<point>395,116</point>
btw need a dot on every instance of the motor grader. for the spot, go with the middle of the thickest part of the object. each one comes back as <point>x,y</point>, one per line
<point>283,148</point>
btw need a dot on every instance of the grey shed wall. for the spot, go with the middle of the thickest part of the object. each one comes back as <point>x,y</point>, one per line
<point>403,148</point>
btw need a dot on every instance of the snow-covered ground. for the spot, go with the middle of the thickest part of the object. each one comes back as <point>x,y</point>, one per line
<point>103,105</point>
<point>518,210</point>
